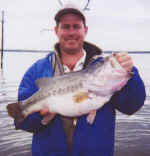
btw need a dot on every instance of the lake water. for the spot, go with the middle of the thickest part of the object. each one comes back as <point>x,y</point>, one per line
<point>132,132</point>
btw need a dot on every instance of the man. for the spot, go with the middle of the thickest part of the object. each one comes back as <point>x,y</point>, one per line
<point>64,136</point>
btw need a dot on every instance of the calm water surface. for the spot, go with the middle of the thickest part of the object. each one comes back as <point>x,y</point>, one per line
<point>132,132</point>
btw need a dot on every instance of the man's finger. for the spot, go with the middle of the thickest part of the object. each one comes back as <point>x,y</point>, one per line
<point>48,118</point>
<point>44,111</point>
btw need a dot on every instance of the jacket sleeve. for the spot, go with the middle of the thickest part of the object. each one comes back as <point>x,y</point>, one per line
<point>132,96</point>
<point>27,87</point>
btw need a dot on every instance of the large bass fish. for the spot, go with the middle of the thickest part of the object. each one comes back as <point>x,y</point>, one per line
<point>76,93</point>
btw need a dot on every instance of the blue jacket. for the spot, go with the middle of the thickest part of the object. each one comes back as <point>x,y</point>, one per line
<point>88,140</point>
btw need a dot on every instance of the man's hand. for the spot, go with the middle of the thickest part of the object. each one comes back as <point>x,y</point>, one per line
<point>125,60</point>
<point>44,112</point>
<point>47,116</point>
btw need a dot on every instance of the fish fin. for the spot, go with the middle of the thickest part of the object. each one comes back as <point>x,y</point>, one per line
<point>80,97</point>
<point>91,117</point>
<point>14,111</point>
<point>43,82</point>
<point>48,118</point>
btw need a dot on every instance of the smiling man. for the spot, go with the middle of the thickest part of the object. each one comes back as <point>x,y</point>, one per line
<point>56,135</point>
<point>71,31</point>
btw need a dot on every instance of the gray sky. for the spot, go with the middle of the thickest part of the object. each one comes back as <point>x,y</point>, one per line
<point>113,25</point>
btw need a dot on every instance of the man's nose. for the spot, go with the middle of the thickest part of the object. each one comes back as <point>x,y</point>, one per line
<point>72,30</point>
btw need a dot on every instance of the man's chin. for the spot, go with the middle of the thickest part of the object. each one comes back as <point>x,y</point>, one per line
<point>72,50</point>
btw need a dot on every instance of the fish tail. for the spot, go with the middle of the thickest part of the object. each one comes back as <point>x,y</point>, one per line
<point>14,111</point>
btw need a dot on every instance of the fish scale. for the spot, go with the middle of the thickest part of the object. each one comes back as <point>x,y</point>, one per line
<point>45,92</point>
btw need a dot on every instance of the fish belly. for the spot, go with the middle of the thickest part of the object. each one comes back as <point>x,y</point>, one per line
<point>76,104</point>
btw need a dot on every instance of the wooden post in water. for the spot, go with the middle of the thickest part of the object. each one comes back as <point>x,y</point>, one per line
<point>0,45</point>
<point>2,42</point>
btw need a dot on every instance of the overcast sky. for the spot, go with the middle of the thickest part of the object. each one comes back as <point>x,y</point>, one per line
<point>113,25</point>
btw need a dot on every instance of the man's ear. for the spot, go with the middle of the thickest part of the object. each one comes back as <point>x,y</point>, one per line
<point>56,30</point>
<point>86,30</point>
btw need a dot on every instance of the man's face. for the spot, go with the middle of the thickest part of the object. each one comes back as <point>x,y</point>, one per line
<point>71,33</point>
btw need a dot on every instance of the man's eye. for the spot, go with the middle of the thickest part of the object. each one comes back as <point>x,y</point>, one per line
<point>76,27</point>
<point>66,27</point>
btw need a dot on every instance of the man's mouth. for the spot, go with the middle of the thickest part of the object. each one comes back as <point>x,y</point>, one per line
<point>71,41</point>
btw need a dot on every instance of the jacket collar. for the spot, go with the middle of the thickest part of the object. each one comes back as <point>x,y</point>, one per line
<point>91,50</point>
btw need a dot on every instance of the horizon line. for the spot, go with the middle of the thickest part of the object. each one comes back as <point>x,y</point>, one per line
<point>47,51</point>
